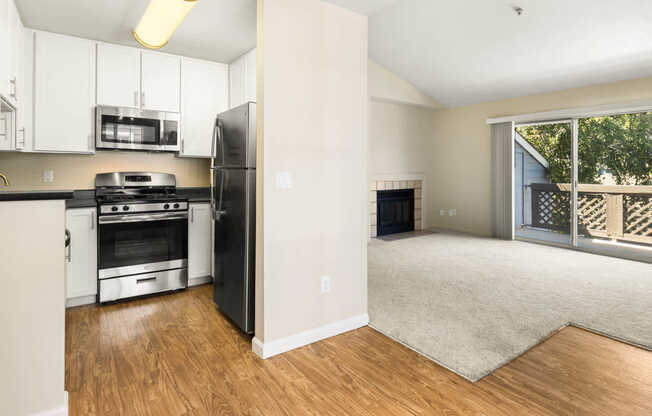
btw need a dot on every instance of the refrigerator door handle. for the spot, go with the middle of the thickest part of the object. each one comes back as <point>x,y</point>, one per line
<point>220,135</point>
<point>212,171</point>
<point>219,211</point>
<point>214,138</point>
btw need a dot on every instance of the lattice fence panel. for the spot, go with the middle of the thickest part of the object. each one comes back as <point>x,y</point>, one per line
<point>592,212</point>
<point>638,215</point>
<point>553,210</point>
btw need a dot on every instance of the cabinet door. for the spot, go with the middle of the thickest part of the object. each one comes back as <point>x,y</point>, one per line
<point>199,241</point>
<point>64,93</point>
<point>237,82</point>
<point>204,94</point>
<point>14,34</point>
<point>81,255</point>
<point>21,80</point>
<point>118,75</point>
<point>250,76</point>
<point>4,47</point>
<point>161,79</point>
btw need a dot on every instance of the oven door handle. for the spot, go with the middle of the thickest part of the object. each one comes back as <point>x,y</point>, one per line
<point>114,219</point>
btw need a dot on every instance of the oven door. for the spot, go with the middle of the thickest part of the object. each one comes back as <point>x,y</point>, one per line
<point>143,243</point>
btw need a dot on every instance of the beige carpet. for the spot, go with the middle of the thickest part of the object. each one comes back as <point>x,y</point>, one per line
<point>474,304</point>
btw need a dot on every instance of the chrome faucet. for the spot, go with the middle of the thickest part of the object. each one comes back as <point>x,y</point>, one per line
<point>4,179</point>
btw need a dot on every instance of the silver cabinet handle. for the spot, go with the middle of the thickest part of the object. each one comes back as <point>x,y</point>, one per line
<point>192,214</point>
<point>183,145</point>
<point>69,246</point>
<point>135,98</point>
<point>92,220</point>
<point>13,89</point>
<point>142,99</point>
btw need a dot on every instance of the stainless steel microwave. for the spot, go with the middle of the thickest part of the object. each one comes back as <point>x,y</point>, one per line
<point>134,129</point>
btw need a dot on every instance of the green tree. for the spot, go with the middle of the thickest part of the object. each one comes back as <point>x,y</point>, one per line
<point>620,144</point>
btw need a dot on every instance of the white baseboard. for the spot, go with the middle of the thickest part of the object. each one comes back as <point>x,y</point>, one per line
<point>199,281</point>
<point>272,348</point>
<point>79,301</point>
<point>59,411</point>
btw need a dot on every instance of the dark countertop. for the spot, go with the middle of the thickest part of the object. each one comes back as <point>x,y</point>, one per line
<point>85,198</point>
<point>34,195</point>
<point>195,194</point>
<point>82,199</point>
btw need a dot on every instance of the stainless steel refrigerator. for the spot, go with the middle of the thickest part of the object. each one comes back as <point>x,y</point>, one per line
<point>233,203</point>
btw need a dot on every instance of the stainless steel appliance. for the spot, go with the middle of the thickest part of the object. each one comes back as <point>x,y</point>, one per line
<point>233,202</point>
<point>142,235</point>
<point>134,129</point>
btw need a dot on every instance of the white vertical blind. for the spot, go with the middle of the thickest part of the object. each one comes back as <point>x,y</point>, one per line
<point>502,145</point>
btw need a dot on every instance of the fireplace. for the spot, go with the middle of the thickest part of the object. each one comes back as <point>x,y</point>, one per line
<point>395,211</point>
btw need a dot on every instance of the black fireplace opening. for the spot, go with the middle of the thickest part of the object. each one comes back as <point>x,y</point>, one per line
<point>395,211</point>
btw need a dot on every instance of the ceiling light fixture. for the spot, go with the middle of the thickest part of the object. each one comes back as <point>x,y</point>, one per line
<point>518,10</point>
<point>160,20</point>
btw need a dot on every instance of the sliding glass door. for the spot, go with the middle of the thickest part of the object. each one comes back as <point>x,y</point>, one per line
<point>542,178</point>
<point>614,191</point>
<point>586,183</point>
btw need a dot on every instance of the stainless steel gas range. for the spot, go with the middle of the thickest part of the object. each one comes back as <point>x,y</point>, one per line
<point>142,235</point>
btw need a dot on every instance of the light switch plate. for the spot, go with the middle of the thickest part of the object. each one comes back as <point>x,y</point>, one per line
<point>48,176</point>
<point>452,212</point>
<point>442,212</point>
<point>325,284</point>
<point>283,180</point>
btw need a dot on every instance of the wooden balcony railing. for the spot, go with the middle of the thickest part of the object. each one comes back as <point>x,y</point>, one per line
<point>622,212</point>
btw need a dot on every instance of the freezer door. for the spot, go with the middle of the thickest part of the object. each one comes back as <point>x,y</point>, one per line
<point>235,242</point>
<point>235,145</point>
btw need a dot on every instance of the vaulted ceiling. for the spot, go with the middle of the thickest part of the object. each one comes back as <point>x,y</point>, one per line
<point>456,51</point>
<point>468,51</point>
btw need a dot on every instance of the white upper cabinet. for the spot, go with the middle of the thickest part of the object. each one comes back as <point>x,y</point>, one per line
<point>204,94</point>
<point>160,82</point>
<point>250,76</point>
<point>15,45</point>
<point>118,75</point>
<point>64,93</point>
<point>4,47</point>
<point>237,72</point>
<point>242,79</point>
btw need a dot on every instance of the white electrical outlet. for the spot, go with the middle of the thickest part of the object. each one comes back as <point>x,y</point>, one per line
<point>325,284</point>
<point>48,176</point>
<point>452,212</point>
<point>442,212</point>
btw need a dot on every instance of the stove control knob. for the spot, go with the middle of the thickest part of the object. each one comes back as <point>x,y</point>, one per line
<point>176,205</point>
<point>166,206</point>
<point>114,209</point>
<point>125,208</point>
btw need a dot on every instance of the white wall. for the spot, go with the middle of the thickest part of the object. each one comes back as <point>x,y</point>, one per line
<point>32,310</point>
<point>400,139</point>
<point>461,174</point>
<point>384,85</point>
<point>313,108</point>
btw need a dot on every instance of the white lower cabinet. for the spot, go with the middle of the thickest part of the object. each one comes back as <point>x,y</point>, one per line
<point>199,244</point>
<point>81,256</point>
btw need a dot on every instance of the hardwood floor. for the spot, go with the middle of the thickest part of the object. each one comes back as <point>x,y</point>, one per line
<point>176,355</point>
